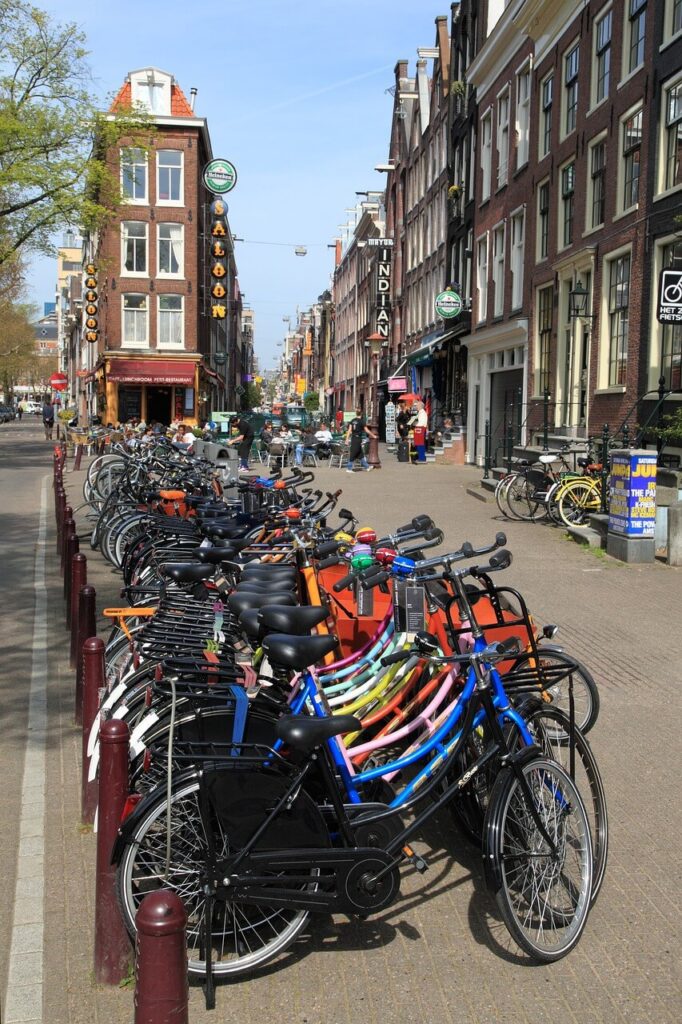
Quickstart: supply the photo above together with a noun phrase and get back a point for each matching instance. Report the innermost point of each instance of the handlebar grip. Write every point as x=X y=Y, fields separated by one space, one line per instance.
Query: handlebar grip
x=329 y=561
x=344 y=582
x=467 y=549
x=395 y=658
x=502 y=559
x=328 y=547
x=374 y=581
x=422 y=522
x=500 y=539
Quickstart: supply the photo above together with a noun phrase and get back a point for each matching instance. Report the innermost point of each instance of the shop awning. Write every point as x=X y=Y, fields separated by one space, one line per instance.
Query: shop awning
x=212 y=375
x=423 y=355
x=151 y=371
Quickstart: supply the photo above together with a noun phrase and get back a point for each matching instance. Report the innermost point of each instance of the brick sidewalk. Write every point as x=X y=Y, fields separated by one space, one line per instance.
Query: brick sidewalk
x=441 y=954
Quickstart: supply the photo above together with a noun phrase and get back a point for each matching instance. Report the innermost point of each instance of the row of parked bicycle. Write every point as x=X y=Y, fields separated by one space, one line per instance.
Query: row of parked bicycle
x=304 y=696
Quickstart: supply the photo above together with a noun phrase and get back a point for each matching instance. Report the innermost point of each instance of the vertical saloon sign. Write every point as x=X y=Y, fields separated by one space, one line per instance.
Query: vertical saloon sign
x=383 y=284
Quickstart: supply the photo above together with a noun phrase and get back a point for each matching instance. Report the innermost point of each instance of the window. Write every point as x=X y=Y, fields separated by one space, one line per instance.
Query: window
x=502 y=139
x=632 y=141
x=675 y=19
x=133 y=247
x=544 y=308
x=602 y=43
x=596 y=185
x=634 y=33
x=671 y=339
x=543 y=220
x=567 y=202
x=486 y=154
x=522 y=116
x=546 y=119
x=171 y=245
x=498 y=270
x=169 y=173
x=673 y=136
x=134 y=175
x=171 y=322
x=619 y=300
x=135 y=320
x=517 y=239
x=482 y=278
x=571 y=60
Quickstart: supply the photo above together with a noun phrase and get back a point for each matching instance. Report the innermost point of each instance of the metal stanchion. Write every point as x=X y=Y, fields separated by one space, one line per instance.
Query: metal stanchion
x=79 y=577
x=87 y=627
x=161 y=984
x=93 y=682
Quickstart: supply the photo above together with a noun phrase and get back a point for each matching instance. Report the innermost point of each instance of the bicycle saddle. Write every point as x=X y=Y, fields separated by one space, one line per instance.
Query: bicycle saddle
x=297 y=652
x=303 y=733
x=186 y=572
x=266 y=571
x=296 y=621
x=241 y=601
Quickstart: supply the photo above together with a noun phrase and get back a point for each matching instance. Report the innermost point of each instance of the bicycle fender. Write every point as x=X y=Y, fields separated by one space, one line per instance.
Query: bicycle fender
x=128 y=826
x=492 y=826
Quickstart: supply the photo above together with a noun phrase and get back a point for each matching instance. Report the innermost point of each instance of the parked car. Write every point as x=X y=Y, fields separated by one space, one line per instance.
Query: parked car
x=33 y=407
x=4 y=414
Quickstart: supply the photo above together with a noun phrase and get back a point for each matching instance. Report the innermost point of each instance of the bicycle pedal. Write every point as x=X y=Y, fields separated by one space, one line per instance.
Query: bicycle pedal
x=415 y=859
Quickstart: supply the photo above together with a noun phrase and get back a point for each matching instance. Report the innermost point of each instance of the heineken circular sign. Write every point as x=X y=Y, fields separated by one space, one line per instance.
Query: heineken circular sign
x=448 y=304
x=220 y=176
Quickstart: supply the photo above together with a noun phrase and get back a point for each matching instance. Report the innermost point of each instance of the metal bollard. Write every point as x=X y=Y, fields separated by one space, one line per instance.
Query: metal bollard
x=79 y=577
x=77 y=458
x=161 y=982
x=72 y=549
x=87 y=627
x=93 y=680
x=112 y=945
x=60 y=505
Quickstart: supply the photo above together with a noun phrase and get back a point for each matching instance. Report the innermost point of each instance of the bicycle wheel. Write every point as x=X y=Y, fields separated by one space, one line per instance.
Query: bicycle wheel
x=551 y=730
x=500 y=495
x=525 y=499
x=543 y=889
x=242 y=937
x=578 y=500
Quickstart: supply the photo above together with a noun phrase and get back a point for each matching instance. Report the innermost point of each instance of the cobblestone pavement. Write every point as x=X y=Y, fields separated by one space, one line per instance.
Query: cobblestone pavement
x=440 y=954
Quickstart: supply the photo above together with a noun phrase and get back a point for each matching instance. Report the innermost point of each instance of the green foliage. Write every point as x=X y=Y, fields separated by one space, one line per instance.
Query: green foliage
x=311 y=401
x=251 y=398
x=53 y=140
x=671 y=431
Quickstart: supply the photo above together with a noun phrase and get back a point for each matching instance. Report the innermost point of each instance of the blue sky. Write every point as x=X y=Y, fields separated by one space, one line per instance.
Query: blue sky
x=294 y=94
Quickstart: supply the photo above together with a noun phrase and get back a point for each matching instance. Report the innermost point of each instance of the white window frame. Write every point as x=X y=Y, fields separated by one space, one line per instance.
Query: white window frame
x=124 y=239
x=166 y=345
x=673 y=9
x=137 y=342
x=486 y=154
x=523 y=115
x=170 y=202
x=539 y=255
x=629 y=22
x=482 y=278
x=166 y=275
x=499 y=253
x=610 y=264
x=502 y=136
x=517 y=245
x=546 y=115
x=622 y=156
x=131 y=200
x=598 y=140
x=663 y=141
x=565 y=85
x=596 y=100
x=542 y=371
x=562 y=198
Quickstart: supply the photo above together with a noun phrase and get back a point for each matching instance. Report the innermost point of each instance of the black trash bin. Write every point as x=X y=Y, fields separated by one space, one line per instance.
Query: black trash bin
x=403 y=451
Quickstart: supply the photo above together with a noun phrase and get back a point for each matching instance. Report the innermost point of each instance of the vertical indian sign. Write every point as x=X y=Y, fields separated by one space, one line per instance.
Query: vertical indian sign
x=383 y=284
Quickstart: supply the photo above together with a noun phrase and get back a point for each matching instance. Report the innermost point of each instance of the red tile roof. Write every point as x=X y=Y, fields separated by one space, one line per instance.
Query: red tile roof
x=179 y=104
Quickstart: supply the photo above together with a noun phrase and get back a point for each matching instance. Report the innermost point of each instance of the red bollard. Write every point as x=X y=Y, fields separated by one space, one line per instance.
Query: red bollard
x=71 y=550
x=77 y=458
x=112 y=945
x=68 y=529
x=93 y=681
x=161 y=982
x=60 y=505
x=79 y=577
x=87 y=627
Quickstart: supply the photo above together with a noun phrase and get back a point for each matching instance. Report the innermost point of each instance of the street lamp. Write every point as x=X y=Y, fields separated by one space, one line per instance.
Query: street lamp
x=375 y=342
x=577 y=302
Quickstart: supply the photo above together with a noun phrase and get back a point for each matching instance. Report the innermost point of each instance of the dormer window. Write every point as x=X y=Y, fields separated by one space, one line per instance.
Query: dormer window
x=151 y=89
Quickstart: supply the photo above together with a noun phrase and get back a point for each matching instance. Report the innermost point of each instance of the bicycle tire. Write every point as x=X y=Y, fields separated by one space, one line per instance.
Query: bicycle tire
x=500 y=490
x=578 y=500
x=523 y=499
x=544 y=897
x=551 y=730
x=235 y=928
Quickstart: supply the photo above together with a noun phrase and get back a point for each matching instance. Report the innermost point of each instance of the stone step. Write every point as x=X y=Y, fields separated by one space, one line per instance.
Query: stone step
x=585 y=535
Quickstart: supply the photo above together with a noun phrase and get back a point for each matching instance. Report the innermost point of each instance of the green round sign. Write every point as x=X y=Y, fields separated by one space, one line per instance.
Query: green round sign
x=220 y=176
x=448 y=304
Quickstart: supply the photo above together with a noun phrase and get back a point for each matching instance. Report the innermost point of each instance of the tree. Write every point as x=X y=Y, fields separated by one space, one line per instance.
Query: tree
x=311 y=401
x=53 y=140
x=251 y=398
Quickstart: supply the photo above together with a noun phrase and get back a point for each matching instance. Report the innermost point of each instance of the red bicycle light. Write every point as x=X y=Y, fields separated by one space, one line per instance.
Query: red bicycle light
x=366 y=536
x=293 y=513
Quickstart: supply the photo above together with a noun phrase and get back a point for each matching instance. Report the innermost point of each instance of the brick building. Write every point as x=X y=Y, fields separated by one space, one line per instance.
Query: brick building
x=160 y=353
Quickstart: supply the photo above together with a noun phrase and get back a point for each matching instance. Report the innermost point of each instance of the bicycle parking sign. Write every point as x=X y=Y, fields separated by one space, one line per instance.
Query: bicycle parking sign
x=670 y=297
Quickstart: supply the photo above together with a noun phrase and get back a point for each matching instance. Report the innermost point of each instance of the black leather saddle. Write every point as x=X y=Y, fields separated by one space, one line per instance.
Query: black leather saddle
x=298 y=652
x=186 y=572
x=303 y=733
x=241 y=600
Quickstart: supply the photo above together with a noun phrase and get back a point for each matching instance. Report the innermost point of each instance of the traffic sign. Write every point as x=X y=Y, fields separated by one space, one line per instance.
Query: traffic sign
x=220 y=176
x=448 y=304
x=670 y=297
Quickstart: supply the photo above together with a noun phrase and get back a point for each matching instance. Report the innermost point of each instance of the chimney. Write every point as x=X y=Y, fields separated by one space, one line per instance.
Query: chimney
x=192 y=96
x=338 y=253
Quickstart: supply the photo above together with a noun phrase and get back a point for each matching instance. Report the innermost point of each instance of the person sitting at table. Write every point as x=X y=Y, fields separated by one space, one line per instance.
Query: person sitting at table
x=323 y=433
x=306 y=446
x=284 y=433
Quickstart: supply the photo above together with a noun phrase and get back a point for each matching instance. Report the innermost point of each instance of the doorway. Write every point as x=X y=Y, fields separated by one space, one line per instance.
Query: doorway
x=159 y=405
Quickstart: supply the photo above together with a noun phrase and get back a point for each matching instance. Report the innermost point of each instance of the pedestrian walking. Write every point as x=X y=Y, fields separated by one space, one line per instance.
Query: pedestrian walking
x=354 y=435
x=244 y=440
x=20 y=411
x=48 y=419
